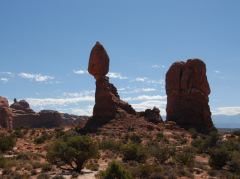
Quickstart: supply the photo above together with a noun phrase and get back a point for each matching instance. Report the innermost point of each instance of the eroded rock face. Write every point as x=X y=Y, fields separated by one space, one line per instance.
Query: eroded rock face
x=5 y=114
x=107 y=100
x=187 y=91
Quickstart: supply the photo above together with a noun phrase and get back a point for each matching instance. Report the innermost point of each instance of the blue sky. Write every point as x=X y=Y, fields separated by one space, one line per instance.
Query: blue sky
x=45 y=46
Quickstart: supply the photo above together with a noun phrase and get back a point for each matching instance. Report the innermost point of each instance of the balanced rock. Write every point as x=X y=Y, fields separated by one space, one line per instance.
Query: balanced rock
x=98 y=65
x=187 y=91
x=5 y=114
x=107 y=100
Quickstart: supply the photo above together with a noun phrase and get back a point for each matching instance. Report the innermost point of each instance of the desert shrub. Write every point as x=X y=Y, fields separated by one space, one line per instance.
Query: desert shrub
x=42 y=138
x=59 y=132
x=19 y=133
x=58 y=177
x=135 y=138
x=46 y=167
x=234 y=163
x=147 y=171
x=237 y=132
x=92 y=166
x=203 y=145
x=185 y=156
x=23 y=156
x=2 y=162
x=115 y=171
x=43 y=176
x=193 y=132
x=74 y=151
x=231 y=144
x=133 y=151
x=182 y=141
x=7 y=143
x=160 y=152
x=218 y=157
x=8 y=174
x=111 y=144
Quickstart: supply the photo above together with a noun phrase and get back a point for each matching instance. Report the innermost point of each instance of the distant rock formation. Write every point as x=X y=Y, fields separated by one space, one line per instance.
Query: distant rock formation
x=152 y=115
x=5 y=114
x=107 y=100
x=24 y=116
x=21 y=106
x=187 y=91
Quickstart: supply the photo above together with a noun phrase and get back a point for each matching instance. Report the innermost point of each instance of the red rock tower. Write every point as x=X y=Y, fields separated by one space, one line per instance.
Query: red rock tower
x=187 y=91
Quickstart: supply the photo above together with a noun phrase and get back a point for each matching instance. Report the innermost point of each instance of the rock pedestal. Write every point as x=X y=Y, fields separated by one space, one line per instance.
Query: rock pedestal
x=107 y=100
x=187 y=91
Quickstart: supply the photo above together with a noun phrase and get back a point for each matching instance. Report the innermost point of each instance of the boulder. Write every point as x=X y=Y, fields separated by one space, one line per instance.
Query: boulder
x=187 y=91
x=98 y=65
x=153 y=115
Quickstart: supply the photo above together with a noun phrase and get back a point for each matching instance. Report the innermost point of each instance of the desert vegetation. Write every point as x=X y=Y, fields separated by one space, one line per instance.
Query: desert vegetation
x=163 y=154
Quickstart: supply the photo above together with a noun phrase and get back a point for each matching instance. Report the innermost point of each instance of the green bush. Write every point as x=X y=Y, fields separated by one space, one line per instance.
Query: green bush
x=237 y=132
x=234 y=163
x=2 y=162
x=74 y=151
x=218 y=157
x=193 y=132
x=133 y=151
x=115 y=171
x=160 y=153
x=7 y=143
x=42 y=138
x=185 y=156
x=43 y=176
x=18 y=133
x=111 y=144
x=203 y=145
x=152 y=171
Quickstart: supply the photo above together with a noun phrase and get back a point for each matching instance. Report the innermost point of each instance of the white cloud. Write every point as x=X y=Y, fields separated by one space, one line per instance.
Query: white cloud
x=148 y=89
x=4 y=80
x=144 y=102
x=142 y=106
x=217 y=71
x=129 y=90
x=147 y=80
x=229 y=111
x=78 y=94
x=7 y=73
x=146 y=98
x=82 y=112
x=116 y=75
x=141 y=79
x=79 y=72
x=158 y=66
x=38 y=102
x=36 y=77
